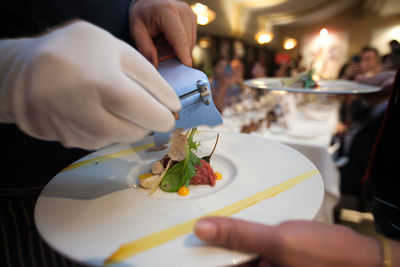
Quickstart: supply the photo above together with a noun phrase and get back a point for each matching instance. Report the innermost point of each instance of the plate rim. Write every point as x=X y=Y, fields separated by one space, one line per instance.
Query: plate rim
x=244 y=259
x=372 y=89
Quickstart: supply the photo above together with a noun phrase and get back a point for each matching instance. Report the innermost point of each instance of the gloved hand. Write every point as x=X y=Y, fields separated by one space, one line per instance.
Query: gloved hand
x=83 y=87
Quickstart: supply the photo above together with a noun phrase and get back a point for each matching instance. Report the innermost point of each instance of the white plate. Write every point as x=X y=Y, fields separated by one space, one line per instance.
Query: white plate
x=301 y=133
x=325 y=86
x=87 y=211
x=277 y=129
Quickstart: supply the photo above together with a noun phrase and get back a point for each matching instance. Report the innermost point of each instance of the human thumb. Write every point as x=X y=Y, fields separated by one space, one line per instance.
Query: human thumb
x=238 y=235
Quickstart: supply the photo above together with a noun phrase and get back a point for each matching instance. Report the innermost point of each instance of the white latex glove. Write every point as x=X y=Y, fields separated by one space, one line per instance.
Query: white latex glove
x=83 y=87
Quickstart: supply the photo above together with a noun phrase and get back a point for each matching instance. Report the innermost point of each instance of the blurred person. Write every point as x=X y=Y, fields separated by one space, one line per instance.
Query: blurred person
x=363 y=65
x=391 y=61
x=366 y=65
x=306 y=243
x=258 y=70
x=225 y=90
x=282 y=70
x=357 y=141
x=369 y=62
x=75 y=87
x=365 y=115
x=295 y=66
x=350 y=69
x=394 y=46
x=238 y=72
x=359 y=124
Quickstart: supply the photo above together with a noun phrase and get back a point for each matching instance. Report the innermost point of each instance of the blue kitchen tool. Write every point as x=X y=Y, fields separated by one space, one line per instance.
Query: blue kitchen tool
x=194 y=91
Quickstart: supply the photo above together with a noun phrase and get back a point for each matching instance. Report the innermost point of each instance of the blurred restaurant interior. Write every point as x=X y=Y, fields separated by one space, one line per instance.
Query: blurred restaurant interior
x=292 y=28
x=82 y=106
x=285 y=38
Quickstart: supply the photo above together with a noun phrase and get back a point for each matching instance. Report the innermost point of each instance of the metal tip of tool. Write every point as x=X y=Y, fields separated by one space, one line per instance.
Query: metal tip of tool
x=201 y=85
x=176 y=115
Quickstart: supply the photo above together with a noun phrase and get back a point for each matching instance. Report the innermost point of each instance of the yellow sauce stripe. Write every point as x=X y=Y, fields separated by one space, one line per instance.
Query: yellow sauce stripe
x=89 y=162
x=130 y=249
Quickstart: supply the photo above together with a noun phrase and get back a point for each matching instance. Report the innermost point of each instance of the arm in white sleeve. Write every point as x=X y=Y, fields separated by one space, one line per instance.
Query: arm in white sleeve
x=81 y=86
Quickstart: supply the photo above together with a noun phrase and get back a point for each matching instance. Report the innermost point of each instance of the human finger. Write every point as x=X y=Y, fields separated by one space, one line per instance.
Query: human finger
x=175 y=33
x=189 y=19
x=238 y=235
x=144 y=42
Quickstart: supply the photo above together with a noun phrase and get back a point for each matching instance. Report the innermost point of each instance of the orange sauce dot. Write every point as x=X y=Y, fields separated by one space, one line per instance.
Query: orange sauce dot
x=219 y=175
x=183 y=191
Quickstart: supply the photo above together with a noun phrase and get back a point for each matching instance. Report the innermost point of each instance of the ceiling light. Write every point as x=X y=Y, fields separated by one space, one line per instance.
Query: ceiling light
x=323 y=32
x=289 y=43
x=263 y=37
x=204 y=14
x=204 y=42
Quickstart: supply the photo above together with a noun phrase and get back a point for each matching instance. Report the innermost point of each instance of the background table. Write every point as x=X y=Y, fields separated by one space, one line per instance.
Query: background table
x=319 y=124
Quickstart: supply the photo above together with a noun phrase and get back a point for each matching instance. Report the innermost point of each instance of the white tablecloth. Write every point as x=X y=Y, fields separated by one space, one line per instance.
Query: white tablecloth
x=315 y=126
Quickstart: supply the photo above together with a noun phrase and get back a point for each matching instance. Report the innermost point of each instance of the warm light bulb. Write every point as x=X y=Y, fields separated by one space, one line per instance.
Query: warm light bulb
x=204 y=14
x=204 y=42
x=199 y=9
x=323 y=32
x=289 y=44
x=263 y=37
x=202 y=20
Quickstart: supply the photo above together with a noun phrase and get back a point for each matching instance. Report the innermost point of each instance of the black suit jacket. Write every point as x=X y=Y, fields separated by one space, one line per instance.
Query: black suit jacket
x=26 y=161
x=359 y=154
x=28 y=17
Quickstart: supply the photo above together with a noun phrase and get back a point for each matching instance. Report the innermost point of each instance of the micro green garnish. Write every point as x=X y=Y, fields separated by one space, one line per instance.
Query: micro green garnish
x=208 y=158
x=182 y=172
x=171 y=181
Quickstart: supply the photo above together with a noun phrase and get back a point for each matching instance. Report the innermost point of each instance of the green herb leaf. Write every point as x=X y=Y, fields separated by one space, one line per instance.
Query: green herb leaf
x=182 y=172
x=172 y=179
x=192 y=144
x=191 y=160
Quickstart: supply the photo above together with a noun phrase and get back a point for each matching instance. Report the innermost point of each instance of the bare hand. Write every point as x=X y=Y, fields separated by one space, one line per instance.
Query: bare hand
x=174 y=19
x=293 y=243
x=352 y=70
x=341 y=128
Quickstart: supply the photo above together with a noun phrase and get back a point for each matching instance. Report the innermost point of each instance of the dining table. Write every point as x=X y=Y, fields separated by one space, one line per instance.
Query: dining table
x=308 y=128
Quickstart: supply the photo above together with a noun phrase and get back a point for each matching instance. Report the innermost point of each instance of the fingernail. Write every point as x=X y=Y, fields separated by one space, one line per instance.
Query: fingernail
x=205 y=230
x=190 y=59
x=155 y=63
x=187 y=62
